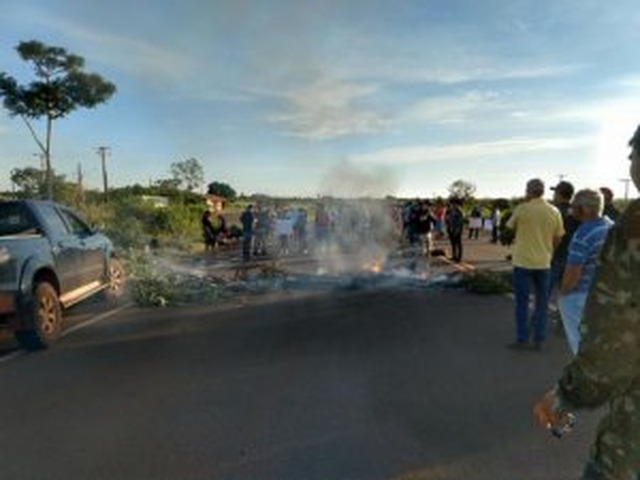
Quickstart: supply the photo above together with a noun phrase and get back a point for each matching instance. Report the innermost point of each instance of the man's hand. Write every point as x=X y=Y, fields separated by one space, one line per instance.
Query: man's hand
x=546 y=410
x=549 y=414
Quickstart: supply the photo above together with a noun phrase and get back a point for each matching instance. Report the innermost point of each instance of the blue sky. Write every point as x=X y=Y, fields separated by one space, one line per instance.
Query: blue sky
x=344 y=97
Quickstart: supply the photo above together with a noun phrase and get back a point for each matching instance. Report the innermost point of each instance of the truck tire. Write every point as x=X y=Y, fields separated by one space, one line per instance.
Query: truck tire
x=117 y=279
x=46 y=320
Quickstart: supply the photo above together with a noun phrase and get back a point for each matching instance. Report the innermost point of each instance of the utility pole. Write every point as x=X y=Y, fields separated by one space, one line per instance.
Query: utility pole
x=626 y=182
x=80 y=188
x=103 y=152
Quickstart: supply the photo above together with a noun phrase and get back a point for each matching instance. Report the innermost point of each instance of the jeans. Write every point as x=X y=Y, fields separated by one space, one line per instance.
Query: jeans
x=523 y=278
x=557 y=271
x=456 y=246
x=571 y=307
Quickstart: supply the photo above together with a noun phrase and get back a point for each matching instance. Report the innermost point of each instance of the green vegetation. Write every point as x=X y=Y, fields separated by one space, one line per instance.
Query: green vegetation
x=487 y=282
x=60 y=87
x=222 y=190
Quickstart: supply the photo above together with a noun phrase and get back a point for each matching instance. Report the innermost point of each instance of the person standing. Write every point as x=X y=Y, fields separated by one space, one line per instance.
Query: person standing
x=538 y=230
x=321 y=228
x=496 y=217
x=583 y=252
x=454 y=218
x=439 y=214
x=609 y=208
x=262 y=230
x=208 y=231
x=300 y=228
x=247 y=220
x=475 y=222
x=562 y=195
x=426 y=223
x=606 y=369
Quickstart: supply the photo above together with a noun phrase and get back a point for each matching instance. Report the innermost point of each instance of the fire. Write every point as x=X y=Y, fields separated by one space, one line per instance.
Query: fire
x=374 y=266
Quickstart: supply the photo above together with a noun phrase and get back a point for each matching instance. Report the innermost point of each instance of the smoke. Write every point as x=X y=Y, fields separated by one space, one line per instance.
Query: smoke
x=364 y=231
x=346 y=180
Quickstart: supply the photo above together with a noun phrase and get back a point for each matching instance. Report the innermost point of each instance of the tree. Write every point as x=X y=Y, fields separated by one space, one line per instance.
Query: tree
x=28 y=181
x=189 y=173
x=61 y=86
x=222 y=190
x=462 y=189
x=165 y=186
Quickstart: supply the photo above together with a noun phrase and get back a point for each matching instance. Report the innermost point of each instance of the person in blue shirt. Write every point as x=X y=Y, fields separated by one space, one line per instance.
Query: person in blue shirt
x=583 y=251
x=606 y=369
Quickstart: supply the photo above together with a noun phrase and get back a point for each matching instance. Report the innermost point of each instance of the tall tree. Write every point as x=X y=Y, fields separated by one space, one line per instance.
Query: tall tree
x=189 y=173
x=222 y=190
x=60 y=87
x=462 y=189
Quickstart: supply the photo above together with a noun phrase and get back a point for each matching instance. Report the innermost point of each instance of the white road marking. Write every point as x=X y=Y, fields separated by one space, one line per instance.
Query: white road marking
x=11 y=356
x=96 y=319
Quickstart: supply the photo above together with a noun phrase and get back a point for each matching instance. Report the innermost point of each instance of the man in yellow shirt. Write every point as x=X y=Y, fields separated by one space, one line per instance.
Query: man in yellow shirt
x=538 y=230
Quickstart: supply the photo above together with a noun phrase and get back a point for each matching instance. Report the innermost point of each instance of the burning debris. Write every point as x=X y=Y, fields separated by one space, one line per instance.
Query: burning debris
x=158 y=280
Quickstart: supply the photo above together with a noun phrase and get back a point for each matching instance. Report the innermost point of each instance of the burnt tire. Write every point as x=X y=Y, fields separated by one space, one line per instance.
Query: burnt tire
x=116 y=279
x=46 y=321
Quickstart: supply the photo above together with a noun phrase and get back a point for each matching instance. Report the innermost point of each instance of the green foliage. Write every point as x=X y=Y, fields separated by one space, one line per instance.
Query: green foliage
x=60 y=87
x=176 y=226
x=487 y=282
x=222 y=190
x=462 y=189
x=28 y=181
x=189 y=173
x=154 y=284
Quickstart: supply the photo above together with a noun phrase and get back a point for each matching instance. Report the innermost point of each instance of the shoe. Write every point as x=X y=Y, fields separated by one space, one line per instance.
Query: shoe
x=518 y=345
x=536 y=347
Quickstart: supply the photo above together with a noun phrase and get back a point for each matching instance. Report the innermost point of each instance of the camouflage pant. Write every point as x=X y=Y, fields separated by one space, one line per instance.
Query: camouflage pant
x=616 y=452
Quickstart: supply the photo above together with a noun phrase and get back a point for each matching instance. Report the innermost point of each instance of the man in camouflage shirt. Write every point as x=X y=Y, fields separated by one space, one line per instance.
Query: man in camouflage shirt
x=606 y=369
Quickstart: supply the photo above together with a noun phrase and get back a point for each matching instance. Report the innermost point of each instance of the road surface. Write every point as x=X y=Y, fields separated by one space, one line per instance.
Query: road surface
x=350 y=385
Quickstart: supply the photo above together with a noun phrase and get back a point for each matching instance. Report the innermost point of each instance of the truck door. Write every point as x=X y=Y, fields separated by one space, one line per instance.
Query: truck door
x=65 y=246
x=93 y=264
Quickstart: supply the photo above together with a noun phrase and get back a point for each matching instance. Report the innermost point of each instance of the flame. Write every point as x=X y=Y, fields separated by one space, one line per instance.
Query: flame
x=374 y=266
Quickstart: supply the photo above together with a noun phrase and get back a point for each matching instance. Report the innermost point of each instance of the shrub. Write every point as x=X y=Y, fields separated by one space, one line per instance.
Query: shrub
x=487 y=282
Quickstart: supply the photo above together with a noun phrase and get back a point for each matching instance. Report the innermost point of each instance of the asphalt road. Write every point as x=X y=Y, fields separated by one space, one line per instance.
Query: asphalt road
x=353 y=385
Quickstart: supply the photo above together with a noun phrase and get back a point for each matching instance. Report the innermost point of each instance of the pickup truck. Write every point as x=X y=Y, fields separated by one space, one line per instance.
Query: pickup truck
x=50 y=259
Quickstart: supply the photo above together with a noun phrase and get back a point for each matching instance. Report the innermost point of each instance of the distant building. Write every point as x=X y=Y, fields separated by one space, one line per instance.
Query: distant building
x=156 y=200
x=214 y=202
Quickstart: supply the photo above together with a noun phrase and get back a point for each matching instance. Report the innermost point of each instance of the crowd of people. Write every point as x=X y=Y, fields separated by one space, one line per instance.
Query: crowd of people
x=346 y=225
x=281 y=231
x=578 y=251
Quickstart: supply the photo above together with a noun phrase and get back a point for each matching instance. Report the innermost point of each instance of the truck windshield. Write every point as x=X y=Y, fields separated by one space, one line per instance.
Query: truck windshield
x=15 y=219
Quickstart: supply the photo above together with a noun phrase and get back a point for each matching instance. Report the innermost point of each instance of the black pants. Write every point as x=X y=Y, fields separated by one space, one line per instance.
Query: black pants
x=246 y=246
x=456 y=246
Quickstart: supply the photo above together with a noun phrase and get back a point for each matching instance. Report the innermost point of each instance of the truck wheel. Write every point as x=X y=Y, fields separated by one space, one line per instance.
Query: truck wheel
x=47 y=319
x=117 y=280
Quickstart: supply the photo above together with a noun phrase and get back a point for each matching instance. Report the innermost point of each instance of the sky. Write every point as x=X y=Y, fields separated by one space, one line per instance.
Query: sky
x=348 y=97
